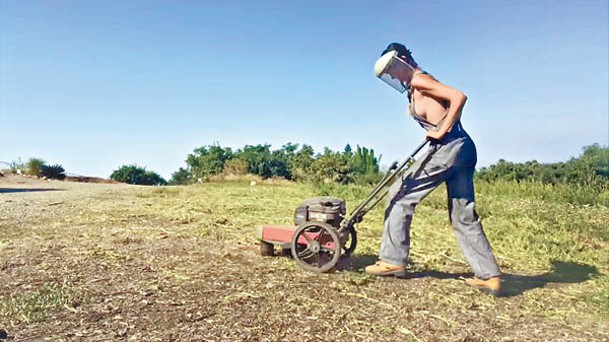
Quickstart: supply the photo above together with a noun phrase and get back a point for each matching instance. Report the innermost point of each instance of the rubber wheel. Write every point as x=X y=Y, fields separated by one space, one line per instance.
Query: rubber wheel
x=316 y=247
x=351 y=243
x=267 y=249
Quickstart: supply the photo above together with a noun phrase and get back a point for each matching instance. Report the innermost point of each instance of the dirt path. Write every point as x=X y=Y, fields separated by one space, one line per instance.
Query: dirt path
x=82 y=262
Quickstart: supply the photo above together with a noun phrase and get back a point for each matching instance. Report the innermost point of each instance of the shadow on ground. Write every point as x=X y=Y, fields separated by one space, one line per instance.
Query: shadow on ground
x=512 y=284
x=562 y=273
x=10 y=190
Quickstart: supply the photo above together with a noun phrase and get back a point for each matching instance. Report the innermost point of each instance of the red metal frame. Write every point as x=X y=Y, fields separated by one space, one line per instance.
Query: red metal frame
x=283 y=235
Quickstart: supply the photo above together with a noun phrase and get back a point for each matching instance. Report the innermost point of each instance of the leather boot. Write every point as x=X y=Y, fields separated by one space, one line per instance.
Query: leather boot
x=491 y=286
x=382 y=268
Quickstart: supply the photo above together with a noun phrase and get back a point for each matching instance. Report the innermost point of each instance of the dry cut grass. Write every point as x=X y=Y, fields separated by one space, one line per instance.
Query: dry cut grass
x=181 y=263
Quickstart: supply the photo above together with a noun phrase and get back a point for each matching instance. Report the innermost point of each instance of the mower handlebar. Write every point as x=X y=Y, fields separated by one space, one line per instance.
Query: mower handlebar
x=357 y=215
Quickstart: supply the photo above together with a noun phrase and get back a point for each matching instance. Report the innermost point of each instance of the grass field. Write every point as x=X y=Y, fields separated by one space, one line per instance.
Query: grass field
x=116 y=262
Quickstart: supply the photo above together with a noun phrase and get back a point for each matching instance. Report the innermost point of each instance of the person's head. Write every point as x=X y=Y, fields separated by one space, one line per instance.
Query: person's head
x=402 y=52
x=396 y=67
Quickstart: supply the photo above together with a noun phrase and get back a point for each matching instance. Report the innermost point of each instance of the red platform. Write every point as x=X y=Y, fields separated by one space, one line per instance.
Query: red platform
x=277 y=234
x=282 y=235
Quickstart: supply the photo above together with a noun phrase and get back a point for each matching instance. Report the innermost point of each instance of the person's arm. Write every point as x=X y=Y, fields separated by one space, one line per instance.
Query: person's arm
x=428 y=86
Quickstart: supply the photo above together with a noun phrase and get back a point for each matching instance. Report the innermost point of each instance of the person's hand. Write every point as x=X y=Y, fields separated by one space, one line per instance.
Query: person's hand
x=435 y=135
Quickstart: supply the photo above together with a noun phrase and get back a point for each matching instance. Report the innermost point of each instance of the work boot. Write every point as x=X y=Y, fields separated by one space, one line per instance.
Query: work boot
x=491 y=286
x=382 y=268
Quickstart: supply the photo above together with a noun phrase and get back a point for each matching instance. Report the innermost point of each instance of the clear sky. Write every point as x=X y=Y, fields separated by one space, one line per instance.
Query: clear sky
x=93 y=85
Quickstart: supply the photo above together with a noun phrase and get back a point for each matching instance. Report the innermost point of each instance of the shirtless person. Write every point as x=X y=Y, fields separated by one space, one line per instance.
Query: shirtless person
x=451 y=158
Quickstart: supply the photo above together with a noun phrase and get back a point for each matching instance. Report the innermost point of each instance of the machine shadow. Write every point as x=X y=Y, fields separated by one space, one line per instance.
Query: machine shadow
x=12 y=190
x=562 y=272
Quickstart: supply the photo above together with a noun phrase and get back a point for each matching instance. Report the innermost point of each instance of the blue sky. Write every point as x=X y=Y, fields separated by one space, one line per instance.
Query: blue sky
x=93 y=85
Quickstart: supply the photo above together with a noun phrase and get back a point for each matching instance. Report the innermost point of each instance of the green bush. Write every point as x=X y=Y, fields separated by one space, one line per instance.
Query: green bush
x=53 y=171
x=235 y=166
x=181 y=177
x=34 y=167
x=134 y=174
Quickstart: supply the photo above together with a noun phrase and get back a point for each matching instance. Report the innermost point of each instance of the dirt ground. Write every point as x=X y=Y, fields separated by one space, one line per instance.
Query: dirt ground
x=79 y=262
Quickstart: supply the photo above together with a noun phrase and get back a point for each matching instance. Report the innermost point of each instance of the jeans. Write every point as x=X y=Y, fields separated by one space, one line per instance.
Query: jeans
x=451 y=160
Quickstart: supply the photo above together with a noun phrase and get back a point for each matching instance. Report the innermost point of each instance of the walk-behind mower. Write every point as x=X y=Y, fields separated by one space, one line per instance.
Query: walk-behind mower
x=322 y=234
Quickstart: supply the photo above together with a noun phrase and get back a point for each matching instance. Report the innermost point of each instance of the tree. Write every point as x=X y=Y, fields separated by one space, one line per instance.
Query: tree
x=208 y=160
x=266 y=163
x=332 y=167
x=301 y=164
x=348 y=150
x=364 y=162
x=257 y=158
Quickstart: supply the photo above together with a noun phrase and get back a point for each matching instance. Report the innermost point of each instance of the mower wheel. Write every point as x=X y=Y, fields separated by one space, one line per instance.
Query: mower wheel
x=351 y=243
x=267 y=249
x=316 y=247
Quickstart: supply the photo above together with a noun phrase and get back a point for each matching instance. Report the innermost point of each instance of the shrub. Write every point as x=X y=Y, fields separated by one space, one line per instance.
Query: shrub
x=17 y=165
x=53 y=172
x=235 y=166
x=181 y=177
x=134 y=174
x=34 y=167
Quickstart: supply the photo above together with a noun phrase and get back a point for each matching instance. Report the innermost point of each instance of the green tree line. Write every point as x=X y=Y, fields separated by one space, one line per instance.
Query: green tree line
x=291 y=161
x=300 y=163
x=590 y=169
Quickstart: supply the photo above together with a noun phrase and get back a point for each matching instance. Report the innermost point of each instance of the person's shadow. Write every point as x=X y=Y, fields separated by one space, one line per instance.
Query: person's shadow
x=563 y=272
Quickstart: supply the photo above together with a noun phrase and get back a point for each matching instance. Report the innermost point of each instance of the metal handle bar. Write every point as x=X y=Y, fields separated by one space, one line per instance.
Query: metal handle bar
x=361 y=210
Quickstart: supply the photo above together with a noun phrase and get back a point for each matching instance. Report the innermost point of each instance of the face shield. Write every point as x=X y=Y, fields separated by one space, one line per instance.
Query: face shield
x=394 y=71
